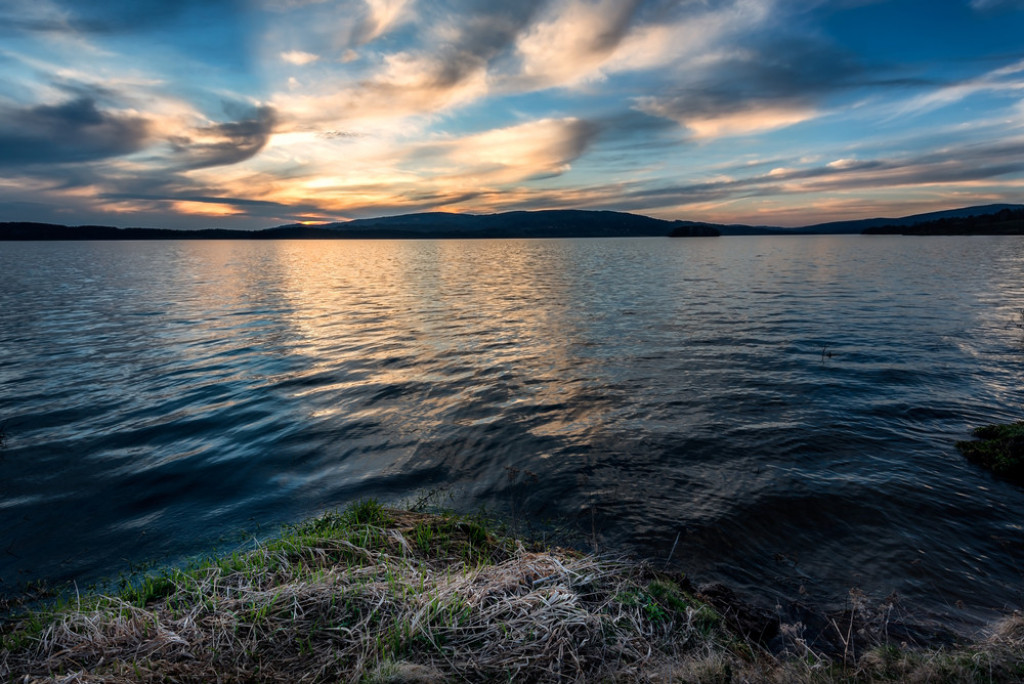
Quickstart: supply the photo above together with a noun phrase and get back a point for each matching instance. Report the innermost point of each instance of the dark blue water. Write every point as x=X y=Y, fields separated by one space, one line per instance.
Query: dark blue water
x=786 y=407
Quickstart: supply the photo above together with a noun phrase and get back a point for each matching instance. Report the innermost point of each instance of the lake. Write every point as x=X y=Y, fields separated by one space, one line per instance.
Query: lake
x=775 y=413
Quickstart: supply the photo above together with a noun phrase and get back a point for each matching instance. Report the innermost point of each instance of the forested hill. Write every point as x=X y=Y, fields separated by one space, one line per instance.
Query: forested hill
x=513 y=224
x=1003 y=222
x=518 y=224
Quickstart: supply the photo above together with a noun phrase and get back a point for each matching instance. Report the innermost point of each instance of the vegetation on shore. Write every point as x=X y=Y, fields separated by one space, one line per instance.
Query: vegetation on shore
x=1006 y=221
x=1000 y=448
x=377 y=595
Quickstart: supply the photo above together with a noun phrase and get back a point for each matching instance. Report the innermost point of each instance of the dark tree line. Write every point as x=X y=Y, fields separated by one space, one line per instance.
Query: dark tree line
x=1003 y=222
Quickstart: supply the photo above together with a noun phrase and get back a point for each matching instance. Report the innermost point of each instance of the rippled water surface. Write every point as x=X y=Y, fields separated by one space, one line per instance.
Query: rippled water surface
x=785 y=408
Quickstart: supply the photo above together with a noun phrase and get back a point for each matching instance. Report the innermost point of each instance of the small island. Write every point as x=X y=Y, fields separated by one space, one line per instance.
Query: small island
x=696 y=230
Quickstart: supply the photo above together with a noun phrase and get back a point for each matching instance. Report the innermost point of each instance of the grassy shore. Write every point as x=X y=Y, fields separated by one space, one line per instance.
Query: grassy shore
x=377 y=595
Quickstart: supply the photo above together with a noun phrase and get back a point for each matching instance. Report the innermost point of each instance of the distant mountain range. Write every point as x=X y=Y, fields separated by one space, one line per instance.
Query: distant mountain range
x=873 y=225
x=1000 y=219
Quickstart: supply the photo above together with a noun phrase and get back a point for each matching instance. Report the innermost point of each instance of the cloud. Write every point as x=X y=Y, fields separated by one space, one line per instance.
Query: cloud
x=463 y=44
x=962 y=165
x=299 y=58
x=446 y=172
x=469 y=50
x=184 y=200
x=578 y=42
x=574 y=38
x=76 y=130
x=984 y=5
x=407 y=84
x=398 y=105
x=535 y=149
x=93 y=32
x=479 y=33
x=731 y=119
x=759 y=87
x=1009 y=78
x=382 y=16
x=224 y=143
x=332 y=30
x=100 y=18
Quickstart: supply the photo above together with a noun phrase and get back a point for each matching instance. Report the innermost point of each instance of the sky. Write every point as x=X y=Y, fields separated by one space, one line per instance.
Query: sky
x=255 y=113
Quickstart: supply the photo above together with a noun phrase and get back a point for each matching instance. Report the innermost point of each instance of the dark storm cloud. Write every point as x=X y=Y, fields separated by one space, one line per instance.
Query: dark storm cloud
x=74 y=131
x=226 y=143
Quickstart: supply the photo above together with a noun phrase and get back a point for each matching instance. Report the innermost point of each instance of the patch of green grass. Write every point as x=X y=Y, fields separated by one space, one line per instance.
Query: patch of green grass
x=663 y=602
x=467 y=538
x=1000 y=448
x=153 y=588
x=337 y=523
x=28 y=631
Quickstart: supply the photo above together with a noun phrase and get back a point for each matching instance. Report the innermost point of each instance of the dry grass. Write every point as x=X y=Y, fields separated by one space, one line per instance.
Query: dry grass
x=381 y=596
x=387 y=600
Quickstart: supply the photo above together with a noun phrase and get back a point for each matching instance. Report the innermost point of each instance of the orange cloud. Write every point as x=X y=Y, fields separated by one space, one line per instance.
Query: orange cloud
x=205 y=208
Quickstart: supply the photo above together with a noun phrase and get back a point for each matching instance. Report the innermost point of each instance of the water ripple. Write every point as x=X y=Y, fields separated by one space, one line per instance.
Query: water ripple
x=786 y=408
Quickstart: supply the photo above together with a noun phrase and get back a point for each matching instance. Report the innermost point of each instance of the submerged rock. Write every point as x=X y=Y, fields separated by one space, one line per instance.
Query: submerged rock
x=1000 y=448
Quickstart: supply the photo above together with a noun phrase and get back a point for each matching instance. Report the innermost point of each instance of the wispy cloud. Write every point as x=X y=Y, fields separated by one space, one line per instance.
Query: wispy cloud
x=1006 y=79
x=383 y=16
x=299 y=58
x=105 y=18
x=330 y=31
x=225 y=143
x=997 y=4
x=946 y=167
x=536 y=149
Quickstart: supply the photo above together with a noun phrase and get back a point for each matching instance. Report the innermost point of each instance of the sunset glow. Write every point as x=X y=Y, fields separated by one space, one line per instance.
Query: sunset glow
x=254 y=113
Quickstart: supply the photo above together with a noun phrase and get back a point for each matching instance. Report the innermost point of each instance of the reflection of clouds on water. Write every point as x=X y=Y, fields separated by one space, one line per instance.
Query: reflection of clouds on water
x=655 y=387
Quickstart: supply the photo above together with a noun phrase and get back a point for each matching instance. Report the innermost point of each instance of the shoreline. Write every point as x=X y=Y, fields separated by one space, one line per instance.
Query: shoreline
x=382 y=595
